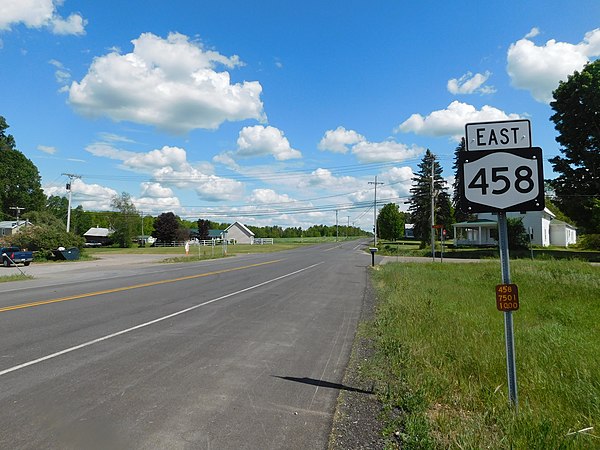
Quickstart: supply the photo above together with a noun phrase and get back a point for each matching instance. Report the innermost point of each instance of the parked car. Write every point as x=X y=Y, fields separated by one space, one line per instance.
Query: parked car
x=14 y=255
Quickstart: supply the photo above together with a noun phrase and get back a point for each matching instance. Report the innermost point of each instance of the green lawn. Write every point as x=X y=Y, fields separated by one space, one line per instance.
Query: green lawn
x=440 y=363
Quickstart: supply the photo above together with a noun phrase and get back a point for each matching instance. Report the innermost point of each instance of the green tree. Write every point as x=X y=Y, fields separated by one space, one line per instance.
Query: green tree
x=166 y=227
x=20 y=181
x=57 y=206
x=125 y=222
x=203 y=227
x=420 y=200
x=390 y=222
x=576 y=118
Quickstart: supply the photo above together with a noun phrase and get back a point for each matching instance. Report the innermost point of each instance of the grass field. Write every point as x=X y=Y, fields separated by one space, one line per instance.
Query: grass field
x=440 y=363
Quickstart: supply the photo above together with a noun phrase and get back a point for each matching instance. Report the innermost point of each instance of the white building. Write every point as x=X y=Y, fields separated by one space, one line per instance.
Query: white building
x=239 y=233
x=542 y=226
x=10 y=227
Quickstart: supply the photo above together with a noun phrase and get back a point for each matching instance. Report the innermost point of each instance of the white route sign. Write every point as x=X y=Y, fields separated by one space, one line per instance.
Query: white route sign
x=501 y=180
x=498 y=135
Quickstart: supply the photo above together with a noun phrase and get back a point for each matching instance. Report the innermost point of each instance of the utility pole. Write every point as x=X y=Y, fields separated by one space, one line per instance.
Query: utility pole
x=71 y=178
x=18 y=209
x=336 y=226
x=375 y=212
x=432 y=206
x=348 y=227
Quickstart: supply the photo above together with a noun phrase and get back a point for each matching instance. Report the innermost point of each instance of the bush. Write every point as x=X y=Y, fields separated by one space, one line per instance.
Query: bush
x=43 y=239
x=590 y=242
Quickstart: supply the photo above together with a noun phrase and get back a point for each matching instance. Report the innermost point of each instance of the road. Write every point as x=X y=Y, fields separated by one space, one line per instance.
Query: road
x=238 y=353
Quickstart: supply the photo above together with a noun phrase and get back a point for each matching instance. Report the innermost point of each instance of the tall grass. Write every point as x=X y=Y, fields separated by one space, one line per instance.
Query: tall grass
x=440 y=364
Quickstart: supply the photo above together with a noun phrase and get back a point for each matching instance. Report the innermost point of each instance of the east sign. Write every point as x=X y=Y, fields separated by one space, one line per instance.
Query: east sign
x=496 y=176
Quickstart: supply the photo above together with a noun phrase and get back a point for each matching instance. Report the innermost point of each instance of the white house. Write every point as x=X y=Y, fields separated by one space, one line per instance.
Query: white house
x=562 y=233
x=10 y=227
x=239 y=233
x=543 y=227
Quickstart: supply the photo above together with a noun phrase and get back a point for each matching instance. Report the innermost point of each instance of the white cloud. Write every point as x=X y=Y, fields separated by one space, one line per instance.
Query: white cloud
x=532 y=33
x=451 y=121
x=106 y=150
x=338 y=140
x=400 y=178
x=260 y=141
x=169 y=166
x=539 y=69
x=92 y=197
x=167 y=83
x=324 y=178
x=342 y=140
x=38 y=14
x=74 y=24
x=470 y=84
x=268 y=197
x=47 y=149
x=155 y=190
x=386 y=151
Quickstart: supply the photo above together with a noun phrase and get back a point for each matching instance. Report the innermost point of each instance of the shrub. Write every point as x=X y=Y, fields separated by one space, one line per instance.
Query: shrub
x=590 y=242
x=43 y=239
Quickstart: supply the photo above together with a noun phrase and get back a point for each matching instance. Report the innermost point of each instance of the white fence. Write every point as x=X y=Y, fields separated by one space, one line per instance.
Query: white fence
x=210 y=242
x=263 y=241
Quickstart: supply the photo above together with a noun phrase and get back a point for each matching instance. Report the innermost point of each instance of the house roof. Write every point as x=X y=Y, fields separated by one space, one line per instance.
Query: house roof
x=476 y=223
x=12 y=224
x=215 y=233
x=243 y=227
x=98 y=231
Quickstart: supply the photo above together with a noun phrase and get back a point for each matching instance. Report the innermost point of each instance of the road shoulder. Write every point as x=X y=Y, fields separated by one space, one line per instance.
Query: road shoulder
x=356 y=423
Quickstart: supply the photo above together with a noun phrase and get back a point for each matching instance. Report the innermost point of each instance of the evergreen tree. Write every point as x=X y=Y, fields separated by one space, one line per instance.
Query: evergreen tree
x=577 y=188
x=457 y=187
x=420 y=200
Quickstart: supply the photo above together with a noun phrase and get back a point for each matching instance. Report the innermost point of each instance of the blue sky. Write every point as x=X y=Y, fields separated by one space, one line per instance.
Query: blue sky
x=273 y=112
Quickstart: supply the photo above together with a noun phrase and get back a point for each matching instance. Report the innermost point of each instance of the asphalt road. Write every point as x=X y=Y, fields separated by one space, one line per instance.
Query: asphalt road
x=239 y=353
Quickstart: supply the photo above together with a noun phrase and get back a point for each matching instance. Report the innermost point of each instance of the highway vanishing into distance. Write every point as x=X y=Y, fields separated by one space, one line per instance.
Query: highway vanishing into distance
x=244 y=352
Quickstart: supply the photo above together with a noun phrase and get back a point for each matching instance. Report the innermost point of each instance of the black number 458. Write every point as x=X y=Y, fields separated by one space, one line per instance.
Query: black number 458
x=523 y=180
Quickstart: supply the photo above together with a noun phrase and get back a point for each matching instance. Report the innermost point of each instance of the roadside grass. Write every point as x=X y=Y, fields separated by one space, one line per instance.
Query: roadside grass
x=14 y=277
x=440 y=362
x=411 y=248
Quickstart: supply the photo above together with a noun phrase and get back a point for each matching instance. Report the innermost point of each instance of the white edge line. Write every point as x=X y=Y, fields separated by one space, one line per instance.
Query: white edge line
x=146 y=324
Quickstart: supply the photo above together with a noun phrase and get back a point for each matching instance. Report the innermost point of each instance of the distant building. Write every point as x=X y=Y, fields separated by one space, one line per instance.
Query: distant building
x=239 y=233
x=10 y=227
x=98 y=235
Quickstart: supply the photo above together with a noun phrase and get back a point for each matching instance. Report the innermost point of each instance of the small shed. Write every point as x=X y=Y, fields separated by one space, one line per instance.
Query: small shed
x=10 y=227
x=98 y=235
x=239 y=233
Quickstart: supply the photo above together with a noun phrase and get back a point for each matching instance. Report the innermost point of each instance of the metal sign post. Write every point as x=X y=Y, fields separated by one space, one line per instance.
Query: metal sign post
x=500 y=172
x=511 y=369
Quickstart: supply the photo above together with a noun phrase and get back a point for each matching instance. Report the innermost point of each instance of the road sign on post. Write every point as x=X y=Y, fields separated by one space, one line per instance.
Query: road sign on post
x=502 y=180
x=500 y=171
x=503 y=135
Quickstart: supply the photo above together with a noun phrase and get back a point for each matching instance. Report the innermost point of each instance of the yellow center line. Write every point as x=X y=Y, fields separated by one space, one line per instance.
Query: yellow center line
x=135 y=286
